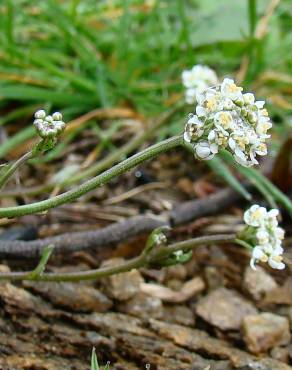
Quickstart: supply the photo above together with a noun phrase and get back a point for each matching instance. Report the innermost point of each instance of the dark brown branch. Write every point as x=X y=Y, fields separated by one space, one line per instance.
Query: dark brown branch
x=120 y=231
x=214 y=203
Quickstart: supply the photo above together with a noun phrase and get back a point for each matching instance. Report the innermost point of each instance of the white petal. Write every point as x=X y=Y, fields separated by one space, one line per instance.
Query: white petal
x=252 y=263
x=187 y=137
x=273 y=213
x=201 y=112
x=276 y=264
x=260 y=104
x=257 y=253
x=203 y=150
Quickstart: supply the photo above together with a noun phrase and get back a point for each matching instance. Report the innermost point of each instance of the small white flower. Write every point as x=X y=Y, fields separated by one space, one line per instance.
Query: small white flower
x=230 y=90
x=262 y=227
x=194 y=129
x=223 y=120
x=255 y=215
x=40 y=114
x=48 y=126
x=249 y=98
x=233 y=121
x=197 y=79
x=57 y=116
x=262 y=236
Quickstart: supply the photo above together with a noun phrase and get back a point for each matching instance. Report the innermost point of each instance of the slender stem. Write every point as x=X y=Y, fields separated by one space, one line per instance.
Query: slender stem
x=13 y=167
x=38 y=271
x=100 y=180
x=243 y=244
x=103 y=164
x=143 y=260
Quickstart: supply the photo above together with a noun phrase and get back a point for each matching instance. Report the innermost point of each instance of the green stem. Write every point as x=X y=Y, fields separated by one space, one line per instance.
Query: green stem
x=100 y=180
x=243 y=244
x=143 y=260
x=39 y=270
x=105 y=163
x=13 y=167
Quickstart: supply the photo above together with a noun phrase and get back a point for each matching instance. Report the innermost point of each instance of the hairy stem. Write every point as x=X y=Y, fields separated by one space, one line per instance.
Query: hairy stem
x=104 y=163
x=13 y=167
x=158 y=254
x=100 y=180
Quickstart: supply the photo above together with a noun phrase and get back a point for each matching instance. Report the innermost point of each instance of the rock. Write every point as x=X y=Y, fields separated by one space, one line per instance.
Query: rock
x=280 y=354
x=187 y=291
x=213 y=278
x=280 y=295
x=174 y=284
x=18 y=301
x=196 y=341
x=178 y=272
x=121 y=286
x=178 y=314
x=76 y=297
x=258 y=282
x=224 y=309
x=264 y=331
x=142 y=305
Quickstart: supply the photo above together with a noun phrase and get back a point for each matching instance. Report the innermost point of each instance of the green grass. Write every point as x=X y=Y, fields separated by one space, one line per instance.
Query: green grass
x=90 y=54
x=94 y=362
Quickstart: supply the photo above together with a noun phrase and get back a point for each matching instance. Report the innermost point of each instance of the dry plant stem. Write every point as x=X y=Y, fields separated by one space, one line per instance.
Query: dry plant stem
x=103 y=164
x=71 y=195
x=144 y=260
x=121 y=231
x=14 y=167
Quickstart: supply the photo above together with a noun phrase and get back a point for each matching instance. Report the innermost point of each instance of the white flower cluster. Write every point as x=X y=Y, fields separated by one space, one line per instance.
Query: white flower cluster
x=267 y=234
x=228 y=119
x=48 y=126
x=197 y=79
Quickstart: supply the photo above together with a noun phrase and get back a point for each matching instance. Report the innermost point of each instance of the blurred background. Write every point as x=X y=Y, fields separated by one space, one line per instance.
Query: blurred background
x=79 y=55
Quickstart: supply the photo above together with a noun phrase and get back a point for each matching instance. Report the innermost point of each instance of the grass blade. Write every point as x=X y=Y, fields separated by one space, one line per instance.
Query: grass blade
x=264 y=185
x=222 y=170
x=94 y=363
x=16 y=140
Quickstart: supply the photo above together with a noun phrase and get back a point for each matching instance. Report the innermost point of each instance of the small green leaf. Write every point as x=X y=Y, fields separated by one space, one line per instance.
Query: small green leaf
x=157 y=237
x=176 y=258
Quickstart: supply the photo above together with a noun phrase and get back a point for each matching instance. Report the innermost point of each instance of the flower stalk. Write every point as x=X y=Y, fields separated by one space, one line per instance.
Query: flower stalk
x=153 y=256
x=100 y=180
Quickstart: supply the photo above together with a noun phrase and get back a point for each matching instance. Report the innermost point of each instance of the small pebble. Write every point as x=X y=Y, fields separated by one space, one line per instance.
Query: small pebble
x=264 y=331
x=121 y=286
